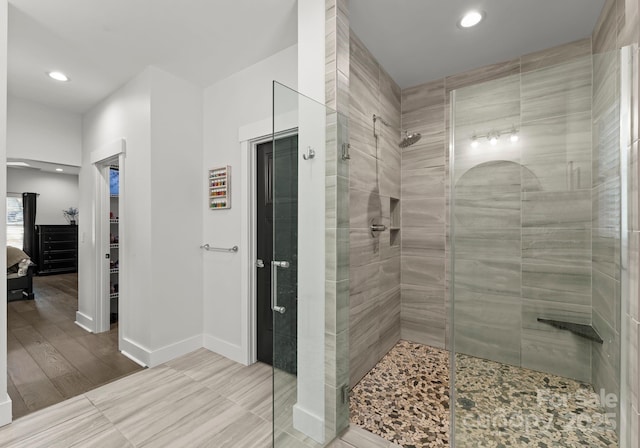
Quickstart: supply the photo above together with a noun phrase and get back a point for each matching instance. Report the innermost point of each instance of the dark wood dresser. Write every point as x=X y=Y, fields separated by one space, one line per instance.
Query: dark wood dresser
x=57 y=249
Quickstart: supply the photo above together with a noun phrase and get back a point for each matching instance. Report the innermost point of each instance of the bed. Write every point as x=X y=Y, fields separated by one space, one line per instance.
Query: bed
x=19 y=275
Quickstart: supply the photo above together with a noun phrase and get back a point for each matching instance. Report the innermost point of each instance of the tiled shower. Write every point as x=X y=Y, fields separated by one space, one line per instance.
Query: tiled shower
x=536 y=217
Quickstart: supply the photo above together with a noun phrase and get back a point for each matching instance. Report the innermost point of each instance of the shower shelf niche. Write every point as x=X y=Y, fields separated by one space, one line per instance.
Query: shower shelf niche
x=394 y=226
x=582 y=330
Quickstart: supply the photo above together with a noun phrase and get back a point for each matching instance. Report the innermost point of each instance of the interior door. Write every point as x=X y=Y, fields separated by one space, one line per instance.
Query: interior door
x=264 y=214
x=284 y=272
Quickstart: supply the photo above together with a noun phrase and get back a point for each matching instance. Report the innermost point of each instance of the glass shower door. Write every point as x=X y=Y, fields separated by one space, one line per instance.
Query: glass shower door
x=307 y=376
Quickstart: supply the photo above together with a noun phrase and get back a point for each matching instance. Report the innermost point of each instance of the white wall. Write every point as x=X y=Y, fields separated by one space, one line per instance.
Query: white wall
x=240 y=100
x=160 y=118
x=125 y=114
x=57 y=192
x=39 y=132
x=5 y=401
x=176 y=207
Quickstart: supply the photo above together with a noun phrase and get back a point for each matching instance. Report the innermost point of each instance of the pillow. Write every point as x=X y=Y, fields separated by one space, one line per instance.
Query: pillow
x=15 y=256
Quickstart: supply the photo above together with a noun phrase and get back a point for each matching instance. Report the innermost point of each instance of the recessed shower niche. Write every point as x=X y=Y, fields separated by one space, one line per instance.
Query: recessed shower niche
x=394 y=219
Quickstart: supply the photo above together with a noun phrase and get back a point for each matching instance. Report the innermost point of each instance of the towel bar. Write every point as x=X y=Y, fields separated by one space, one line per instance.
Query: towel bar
x=219 y=249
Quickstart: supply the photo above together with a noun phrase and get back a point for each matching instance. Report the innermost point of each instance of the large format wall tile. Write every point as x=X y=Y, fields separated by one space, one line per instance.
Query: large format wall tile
x=488 y=326
x=424 y=212
x=494 y=105
x=606 y=144
x=556 y=55
x=423 y=96
x=418 y=241
x=482 y=75
x=363 y=336
x=605 y=361
x=423 y=315
x=428 y=152
x=422 y=271
x=390 y=99
x=605 y=247
x=556 y=153
x=606 y=207
x=606 y=89
x=556 y=91
x=361 y=138
x=605 y=31
x=605 y=300
x=549 y=245
x=557 y=209
x=477 y=243
x=423 y=183
x=488 y=276
x=362 y=172
x=500 y=210
x=489 y=196
x=633 y=345
x=363 y=82
x=557 y=282
x=375 y=176
x=363 y=207
x=558 y=352
x=389 y=320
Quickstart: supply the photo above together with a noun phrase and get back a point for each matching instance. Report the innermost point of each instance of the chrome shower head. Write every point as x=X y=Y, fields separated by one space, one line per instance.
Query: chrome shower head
x=409 y=139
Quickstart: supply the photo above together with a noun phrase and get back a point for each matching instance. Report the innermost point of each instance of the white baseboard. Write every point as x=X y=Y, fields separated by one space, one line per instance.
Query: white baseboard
x=5 y=411
x=175 y=350
x=151 y=358
x=308 y=423
x=85 y=322
x=135 y=352
x=224 y=348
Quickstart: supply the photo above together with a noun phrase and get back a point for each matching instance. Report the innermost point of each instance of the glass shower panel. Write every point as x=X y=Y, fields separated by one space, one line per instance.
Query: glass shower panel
x=535 y=250
x=305 y=353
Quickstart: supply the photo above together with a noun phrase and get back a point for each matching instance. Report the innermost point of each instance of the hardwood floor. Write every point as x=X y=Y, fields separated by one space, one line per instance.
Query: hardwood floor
x=199 y=400
x=50 y=358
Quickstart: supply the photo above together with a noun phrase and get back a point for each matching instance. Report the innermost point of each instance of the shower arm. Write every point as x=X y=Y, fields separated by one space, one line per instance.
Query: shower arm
x=408 y=140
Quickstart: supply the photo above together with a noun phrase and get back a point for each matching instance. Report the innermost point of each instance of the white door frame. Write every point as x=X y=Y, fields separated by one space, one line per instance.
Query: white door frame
x=100 y=161
x=250 y=137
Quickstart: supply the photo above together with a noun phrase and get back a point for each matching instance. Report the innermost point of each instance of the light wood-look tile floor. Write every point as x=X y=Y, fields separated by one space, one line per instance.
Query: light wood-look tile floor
x=50 y=358
x=199 y=400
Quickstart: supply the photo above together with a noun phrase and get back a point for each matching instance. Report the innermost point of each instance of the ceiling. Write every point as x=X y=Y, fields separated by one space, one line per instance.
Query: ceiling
x=418 y=40
x=101 y=44
x=38 y=165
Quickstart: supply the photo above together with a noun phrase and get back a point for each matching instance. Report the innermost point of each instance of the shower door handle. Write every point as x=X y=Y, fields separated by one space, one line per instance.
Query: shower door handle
x=274 y=285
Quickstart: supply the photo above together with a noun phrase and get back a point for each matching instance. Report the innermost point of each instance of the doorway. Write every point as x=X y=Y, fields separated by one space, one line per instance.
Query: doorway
x=287 y=149
x=109 y=274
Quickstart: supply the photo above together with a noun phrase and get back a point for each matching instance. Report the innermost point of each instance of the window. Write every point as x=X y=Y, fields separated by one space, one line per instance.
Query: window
x=15 y=224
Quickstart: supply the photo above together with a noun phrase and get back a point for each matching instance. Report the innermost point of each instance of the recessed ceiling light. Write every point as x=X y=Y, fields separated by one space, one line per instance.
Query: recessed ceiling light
x=58 y=76
x=59 y=169
x=471 y=18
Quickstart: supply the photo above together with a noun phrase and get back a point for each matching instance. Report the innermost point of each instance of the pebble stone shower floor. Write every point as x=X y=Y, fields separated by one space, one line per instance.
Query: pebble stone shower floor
x=405 y=399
